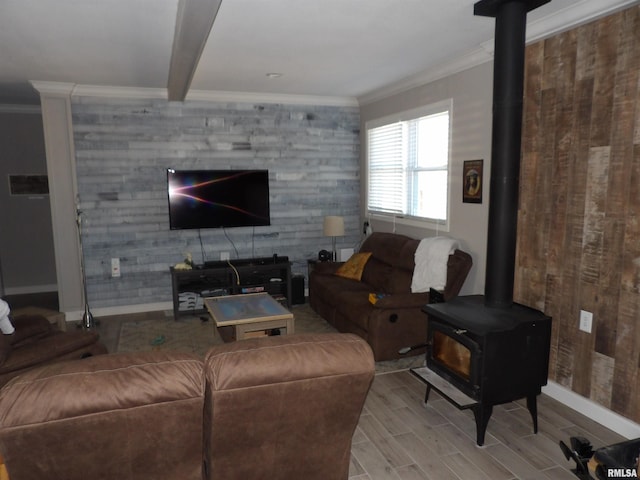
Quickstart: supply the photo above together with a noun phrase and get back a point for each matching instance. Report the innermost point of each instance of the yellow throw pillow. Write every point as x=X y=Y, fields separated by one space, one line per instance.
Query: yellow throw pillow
x=353 y=267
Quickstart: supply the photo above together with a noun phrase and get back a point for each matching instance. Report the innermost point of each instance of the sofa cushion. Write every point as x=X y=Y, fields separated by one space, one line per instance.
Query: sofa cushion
x=400 y=281
x=383 y=278
x=119 y=416
x=284 y=407
x=393 y=249
x=330 y=286
x=353 y=267
x=355 y=306
x=105 y=382
x=376 y=274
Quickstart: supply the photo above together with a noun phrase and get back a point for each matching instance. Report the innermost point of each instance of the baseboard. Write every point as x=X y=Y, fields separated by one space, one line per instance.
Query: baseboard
x=593 y=410
x=120 y=310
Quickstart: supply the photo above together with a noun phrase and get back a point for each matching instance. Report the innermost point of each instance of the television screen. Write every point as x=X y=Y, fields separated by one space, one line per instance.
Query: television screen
x=218 y=198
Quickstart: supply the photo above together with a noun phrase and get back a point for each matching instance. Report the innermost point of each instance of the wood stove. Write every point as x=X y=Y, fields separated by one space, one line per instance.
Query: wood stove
x=487 y=350
x=490 y=355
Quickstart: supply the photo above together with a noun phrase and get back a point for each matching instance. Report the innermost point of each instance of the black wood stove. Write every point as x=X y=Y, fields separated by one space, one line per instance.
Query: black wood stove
x=486 y=350
x=478 y=356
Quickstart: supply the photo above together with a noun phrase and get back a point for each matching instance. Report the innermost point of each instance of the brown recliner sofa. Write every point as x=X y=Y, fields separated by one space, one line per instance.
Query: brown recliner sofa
x=37 y=342
x=281 y=407
x=396 y=320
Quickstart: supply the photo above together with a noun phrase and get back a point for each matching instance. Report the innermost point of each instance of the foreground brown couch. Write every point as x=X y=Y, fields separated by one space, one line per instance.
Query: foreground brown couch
x=281 y=407
x=396 y=320
x=37 y=342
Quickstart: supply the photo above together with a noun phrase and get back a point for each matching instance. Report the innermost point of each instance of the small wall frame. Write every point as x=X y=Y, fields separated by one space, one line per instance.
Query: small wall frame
x=28 y=185
x=472 y=180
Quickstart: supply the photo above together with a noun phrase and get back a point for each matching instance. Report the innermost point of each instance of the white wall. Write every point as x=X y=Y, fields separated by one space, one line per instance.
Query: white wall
x=471 y=91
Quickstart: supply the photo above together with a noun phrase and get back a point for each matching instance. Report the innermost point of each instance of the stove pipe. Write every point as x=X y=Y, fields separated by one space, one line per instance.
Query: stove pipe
x=508 y=79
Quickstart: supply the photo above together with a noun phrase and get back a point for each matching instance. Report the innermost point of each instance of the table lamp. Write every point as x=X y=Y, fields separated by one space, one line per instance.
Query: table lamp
x=333 y=227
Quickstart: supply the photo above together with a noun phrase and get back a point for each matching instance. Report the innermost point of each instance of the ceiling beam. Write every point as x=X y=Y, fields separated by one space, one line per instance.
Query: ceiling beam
x=193 y=24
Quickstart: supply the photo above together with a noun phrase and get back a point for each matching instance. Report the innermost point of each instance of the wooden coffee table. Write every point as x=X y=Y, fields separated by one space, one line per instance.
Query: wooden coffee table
x=250 y=315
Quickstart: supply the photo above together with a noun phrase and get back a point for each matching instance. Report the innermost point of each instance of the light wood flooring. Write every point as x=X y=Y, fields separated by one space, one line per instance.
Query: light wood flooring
x=398 y=437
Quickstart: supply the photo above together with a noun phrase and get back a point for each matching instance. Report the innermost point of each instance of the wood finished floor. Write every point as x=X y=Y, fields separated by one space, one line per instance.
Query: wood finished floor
x=398 y=437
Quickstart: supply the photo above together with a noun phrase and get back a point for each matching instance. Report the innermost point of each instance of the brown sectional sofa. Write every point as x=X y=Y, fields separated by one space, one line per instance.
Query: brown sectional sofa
x=37 y=342
x=396 y=320
x=279 y=407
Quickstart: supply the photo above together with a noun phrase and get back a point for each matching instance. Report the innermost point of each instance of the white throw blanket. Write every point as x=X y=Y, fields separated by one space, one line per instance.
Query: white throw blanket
x=431 y=259
x=5 y=324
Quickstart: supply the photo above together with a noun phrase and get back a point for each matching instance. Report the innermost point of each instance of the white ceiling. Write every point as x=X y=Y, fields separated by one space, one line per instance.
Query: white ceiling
x=356 y=49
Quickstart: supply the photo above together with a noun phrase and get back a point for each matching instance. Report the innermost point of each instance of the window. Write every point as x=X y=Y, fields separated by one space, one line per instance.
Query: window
x=408 y=164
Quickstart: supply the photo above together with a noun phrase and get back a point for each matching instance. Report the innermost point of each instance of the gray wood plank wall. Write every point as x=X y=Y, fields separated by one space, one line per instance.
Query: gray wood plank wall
x=124 y=146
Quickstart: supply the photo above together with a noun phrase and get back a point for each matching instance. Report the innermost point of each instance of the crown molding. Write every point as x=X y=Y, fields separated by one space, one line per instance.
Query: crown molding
x=53 y=88
x=570 y=17
x=289 y=99
x=193 y=95
x=107 y=91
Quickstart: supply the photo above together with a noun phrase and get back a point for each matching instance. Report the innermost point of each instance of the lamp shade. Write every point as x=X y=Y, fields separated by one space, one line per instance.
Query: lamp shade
x=333 y=226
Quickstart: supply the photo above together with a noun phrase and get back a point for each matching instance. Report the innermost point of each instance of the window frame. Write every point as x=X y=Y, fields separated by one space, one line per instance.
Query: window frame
x=403 y=116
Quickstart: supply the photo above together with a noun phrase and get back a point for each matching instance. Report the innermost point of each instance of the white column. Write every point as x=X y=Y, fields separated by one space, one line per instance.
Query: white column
x=55 y=99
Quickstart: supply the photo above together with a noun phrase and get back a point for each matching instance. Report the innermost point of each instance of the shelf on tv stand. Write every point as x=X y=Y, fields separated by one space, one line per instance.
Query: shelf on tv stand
x=230 y=278
x=243 y=262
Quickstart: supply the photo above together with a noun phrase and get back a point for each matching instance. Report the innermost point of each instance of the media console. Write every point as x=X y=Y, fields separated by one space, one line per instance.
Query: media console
x=215 y=278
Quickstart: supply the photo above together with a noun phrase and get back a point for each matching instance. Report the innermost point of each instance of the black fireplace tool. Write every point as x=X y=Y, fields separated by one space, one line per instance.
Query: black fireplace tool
x=611 y=461
x=580 y=452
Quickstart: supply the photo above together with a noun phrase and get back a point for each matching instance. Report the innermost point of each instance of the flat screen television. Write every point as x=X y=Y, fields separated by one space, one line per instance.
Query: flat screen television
x=218 y=198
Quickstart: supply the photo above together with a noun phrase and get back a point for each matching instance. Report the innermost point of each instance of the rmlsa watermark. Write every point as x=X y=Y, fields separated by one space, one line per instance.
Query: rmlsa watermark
x=622 y=473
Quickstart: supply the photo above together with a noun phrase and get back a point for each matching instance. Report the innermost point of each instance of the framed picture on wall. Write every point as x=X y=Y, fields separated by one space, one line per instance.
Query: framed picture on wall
x=28 y=185
x=472 y=181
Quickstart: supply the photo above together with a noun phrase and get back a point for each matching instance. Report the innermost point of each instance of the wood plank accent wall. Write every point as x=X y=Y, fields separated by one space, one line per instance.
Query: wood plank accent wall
x=124 y=146
x=579 y=212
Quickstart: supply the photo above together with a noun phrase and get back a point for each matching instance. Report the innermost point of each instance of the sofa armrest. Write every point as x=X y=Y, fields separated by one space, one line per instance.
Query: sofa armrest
x=403 y=300
x=30 y=328
x=47 y=349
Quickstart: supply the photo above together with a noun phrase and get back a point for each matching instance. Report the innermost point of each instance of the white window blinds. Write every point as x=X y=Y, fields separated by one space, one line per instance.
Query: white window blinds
x=386 y=168
x=408 y=166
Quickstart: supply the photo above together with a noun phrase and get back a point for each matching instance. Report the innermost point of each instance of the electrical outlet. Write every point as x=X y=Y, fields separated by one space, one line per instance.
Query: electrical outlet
x=224 y=255
x=586 y=320
x=115 y=267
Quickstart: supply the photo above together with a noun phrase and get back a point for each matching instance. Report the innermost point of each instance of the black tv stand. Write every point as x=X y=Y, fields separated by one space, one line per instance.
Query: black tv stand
x=230 y=277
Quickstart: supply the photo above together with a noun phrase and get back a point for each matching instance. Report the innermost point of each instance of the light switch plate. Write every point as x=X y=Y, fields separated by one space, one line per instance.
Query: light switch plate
x=586 y=321
x=115 y=267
